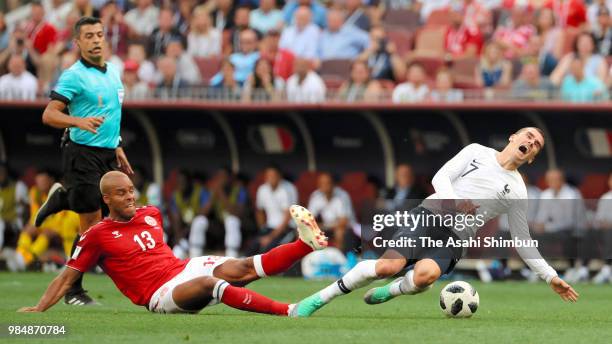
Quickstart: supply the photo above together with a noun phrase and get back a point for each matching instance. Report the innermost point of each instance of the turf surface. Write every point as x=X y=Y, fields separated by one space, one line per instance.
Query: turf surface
x=511 y=312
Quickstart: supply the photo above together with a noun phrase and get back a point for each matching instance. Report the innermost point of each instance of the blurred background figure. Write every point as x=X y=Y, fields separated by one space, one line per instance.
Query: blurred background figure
x=305 y=86
x=274 y=197
x=360 y=86
x=444 y=91
x=405 y=193
x=415 y=88
x=330 y=211
x=18 y=84
x=603 y=223
x=561 y=212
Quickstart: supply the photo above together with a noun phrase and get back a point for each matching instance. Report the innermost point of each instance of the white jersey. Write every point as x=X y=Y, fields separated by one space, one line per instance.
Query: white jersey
x=474 y=174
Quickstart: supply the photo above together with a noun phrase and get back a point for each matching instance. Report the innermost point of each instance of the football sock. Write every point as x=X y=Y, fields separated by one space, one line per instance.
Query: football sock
x=280 y=258
x=248 y=300
x=406 y=286
x=361 y=275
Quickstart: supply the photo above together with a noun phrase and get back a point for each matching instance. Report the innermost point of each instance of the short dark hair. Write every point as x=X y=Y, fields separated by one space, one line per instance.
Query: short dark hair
x=536 y=128
x=85 y=21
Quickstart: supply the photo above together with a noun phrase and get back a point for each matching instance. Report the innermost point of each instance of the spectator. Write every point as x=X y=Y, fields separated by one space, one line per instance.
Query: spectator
x=134 y=88
x=226 y=203
x=514 y=38
x=444 y=91
x=603 y=32
x=20 y=45
x=116 y=30
x=493 y=70
x=57 y=12
x=561 y=213
x=356 y=16
x=415 y=88
x=360 y=87
x=241 y=23
x=146 y=69
x=110 y=56
x=382 y=57
x=186 y=66
x=243 y=61
x=14 y=199
x=262 y=84
x=223 y=14
x=532 y=86
x=302 y=37
x=273 y=200
x=405 y=194
x=549 y=41
x=171 y=85
x=184 y=15
x=568 y=13
x=4 y=33
x=603 y=222
x=593 y=10
x=18 y=84
x=282 y=59
x=203 y=40
x=37 y=243
x=585 y=49
x=579 y=87
x=305 y=86
x=266 y=17
x=477 y=15
x=319 y=13
x=41 y=33
x=461 y=40
x=329 y=210
x=163 y=34
x=225 y=86
x=341 y=41
x=142 y=19
x=188 y=205
x=146 y=192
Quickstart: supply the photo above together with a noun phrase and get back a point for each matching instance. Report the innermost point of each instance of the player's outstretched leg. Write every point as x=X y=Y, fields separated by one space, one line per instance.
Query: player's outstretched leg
x=56 y=202
x=418 y=280
x=195 y=294
x=278 y=259
x=361 y=275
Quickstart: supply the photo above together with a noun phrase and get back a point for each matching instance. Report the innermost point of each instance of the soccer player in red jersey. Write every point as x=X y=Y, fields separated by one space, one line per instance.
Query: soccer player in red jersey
x=129 y=247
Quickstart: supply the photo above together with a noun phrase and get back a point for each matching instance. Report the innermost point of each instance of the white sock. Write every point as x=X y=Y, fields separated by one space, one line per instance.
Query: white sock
x=406 y=286
x=361 y=275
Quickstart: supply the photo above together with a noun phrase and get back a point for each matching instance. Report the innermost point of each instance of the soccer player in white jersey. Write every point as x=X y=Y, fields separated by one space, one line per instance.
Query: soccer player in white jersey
x=482 y=181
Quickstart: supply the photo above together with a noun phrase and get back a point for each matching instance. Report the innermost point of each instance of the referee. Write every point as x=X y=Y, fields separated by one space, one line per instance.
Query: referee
x=92 y=92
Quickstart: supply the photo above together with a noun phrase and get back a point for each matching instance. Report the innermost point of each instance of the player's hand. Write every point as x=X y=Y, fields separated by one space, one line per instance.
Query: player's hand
x=467 y=207
x=90 y=124
x=29 y=310
x=564 y=290
x=122 y=161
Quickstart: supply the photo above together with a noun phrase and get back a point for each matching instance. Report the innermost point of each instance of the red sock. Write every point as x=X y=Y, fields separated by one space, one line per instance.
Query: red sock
x=280 y=258
x=248 y=300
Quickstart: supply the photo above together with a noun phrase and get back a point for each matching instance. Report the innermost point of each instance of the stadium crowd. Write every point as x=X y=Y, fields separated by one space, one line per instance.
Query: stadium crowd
x=225 y=211
x=310 y=51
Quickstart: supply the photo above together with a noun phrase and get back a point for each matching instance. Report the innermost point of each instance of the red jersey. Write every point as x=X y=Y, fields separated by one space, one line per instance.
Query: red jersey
x=458 y=40
x=569 y=12
x=133 y=254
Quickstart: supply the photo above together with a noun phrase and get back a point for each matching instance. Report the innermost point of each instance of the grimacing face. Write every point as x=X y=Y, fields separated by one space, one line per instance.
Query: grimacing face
x=120 y=197
x=526 y=144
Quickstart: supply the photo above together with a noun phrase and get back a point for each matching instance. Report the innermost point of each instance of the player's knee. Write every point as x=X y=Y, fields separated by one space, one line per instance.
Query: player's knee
x=389 y=267
x=425 y=277
x=205 y=284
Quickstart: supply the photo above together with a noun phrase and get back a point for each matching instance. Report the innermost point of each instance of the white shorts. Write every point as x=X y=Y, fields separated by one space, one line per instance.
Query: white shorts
x=162 y=302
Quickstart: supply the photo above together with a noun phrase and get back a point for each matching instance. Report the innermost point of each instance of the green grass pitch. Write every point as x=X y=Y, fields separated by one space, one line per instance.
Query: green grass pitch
x=512 y=312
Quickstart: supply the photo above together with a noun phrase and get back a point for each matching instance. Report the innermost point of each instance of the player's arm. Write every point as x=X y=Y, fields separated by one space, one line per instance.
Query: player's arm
x=443 y=180
x=55 y=291
x=54 y=116
x=517 y=219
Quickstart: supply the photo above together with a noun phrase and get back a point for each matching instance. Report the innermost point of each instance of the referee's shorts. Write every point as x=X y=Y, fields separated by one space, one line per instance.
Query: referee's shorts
x=83 y=168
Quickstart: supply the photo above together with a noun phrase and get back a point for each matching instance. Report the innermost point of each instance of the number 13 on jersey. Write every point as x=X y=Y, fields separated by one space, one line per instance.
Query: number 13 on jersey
x=148 y=243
